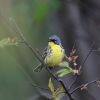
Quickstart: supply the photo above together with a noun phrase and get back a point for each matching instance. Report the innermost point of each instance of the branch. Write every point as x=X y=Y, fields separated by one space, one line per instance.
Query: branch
x=74 y=81
x=25 y=42
x=80 y=69
x=84 y=86
x=61 y=82
x=37 y=86
x=66 y=91
x=73 y=46
x=41 y=60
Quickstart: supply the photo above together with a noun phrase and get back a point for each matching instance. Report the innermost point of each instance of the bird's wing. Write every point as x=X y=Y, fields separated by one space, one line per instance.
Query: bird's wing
x=46 y=51
x=40 y=66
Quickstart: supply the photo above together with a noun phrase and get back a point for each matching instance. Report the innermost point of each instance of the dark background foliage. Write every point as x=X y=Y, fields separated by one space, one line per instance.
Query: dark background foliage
x=72 y=20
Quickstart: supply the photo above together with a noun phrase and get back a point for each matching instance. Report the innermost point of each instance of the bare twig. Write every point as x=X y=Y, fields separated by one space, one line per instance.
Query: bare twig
x=25 y=42
x=49 y=71
x=74 y=45
x=84 y=86
x=37 y=86
x=74 y=81
x=95 y=50
x=81 y=67
x=76 y=76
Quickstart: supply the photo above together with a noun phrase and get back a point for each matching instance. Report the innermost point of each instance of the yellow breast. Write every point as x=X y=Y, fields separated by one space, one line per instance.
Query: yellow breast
x=56 y=55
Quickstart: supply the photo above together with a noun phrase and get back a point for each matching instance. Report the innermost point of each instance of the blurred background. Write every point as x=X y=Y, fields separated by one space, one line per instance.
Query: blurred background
x=72 y=20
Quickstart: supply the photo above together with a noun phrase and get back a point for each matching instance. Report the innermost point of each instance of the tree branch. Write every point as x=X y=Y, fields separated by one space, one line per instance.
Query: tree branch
x=84 y=86
x=25 y=42
x=81 y=67
x=61 y=82
x=74 y=81
x=41 y=60
x=37 y=86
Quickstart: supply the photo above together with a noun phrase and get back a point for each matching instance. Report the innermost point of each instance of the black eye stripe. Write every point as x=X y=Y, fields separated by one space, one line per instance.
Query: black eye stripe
x=52 y=40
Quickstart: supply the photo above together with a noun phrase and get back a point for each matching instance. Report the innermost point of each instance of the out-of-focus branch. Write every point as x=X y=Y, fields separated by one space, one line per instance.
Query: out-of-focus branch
x=24 y=40
x=35 y=51
x=71 y=54
x=81 y=67
x=73 y=82
x=84 y=86
x=37 y=86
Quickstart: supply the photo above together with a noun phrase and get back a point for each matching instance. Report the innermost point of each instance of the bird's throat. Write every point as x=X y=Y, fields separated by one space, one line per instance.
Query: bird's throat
x=51 y=44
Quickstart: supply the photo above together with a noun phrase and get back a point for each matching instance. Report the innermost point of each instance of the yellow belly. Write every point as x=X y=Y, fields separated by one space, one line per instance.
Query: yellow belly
x=55 y=57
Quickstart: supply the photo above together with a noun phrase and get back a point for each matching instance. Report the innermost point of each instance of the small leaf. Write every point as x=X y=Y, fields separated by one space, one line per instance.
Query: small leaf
x=59 y=90
x=51 y=86
x=64 y=64
x=55 y=92
x=57 y=98
x=64 y=72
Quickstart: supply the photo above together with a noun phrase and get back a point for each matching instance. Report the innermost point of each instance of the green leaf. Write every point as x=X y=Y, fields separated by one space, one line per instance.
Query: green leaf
x=60 y=90
x=64 y=64
x=57 y=98
x=55 y=92
x=64 y=72
x=51 y=86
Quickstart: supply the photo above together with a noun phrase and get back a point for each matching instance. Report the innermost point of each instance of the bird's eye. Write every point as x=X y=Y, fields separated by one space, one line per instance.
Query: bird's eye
x=55 y=41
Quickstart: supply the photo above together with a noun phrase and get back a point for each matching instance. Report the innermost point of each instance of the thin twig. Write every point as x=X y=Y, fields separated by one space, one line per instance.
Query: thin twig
x=74 y=45
x=33 y=51
x=37 y=50
x=24 y=40
x=67 y=92
x=74 y=81
x=80 y=69
x=76 y=76
x=37 y=86
x=49 y=71
x=31 y=79
x=84 y=85
x=95 y=50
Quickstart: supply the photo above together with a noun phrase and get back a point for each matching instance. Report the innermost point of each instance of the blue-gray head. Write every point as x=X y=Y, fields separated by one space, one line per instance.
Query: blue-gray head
x=55 y=39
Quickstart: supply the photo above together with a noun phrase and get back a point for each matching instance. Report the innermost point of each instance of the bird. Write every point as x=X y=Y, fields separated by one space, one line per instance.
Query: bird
x=53 y=54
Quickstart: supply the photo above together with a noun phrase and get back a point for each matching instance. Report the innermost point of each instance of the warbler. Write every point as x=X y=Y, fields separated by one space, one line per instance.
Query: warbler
x=53 y=53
